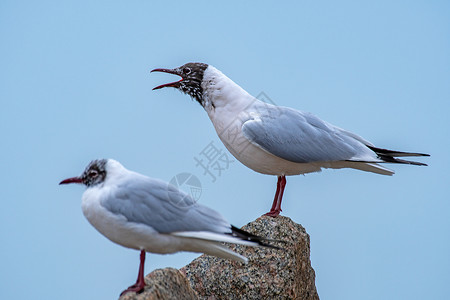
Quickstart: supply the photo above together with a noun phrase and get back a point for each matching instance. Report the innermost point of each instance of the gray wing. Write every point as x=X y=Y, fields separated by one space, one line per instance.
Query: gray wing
x=302 y=137
x=163 y=207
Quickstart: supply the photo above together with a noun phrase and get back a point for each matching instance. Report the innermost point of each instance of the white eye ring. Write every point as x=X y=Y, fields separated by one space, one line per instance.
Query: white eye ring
x=186 y=70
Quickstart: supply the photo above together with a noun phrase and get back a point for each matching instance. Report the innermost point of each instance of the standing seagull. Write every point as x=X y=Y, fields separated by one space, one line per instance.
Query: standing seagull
x=150 y=215
x=277 y=140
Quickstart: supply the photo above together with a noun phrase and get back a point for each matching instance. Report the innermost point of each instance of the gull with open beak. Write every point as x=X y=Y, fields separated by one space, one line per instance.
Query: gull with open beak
x=277 y=140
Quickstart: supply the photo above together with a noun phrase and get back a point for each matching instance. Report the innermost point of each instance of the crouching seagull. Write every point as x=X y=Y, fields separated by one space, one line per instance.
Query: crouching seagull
x=277 y=140
x=150 y=215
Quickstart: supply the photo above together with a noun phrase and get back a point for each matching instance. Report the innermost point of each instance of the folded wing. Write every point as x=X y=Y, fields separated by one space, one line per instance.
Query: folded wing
x=163 y=207
x=304 y=138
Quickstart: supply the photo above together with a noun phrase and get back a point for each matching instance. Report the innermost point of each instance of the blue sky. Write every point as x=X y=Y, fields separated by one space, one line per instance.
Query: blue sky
x=75 y=86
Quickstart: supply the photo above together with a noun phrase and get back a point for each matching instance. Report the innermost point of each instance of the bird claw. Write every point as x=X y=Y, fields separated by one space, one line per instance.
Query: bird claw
x=137 y=288
x=273 y=213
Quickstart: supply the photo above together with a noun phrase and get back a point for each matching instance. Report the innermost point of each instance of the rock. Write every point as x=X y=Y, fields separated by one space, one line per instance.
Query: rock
x=270 y=274
x=165 y=283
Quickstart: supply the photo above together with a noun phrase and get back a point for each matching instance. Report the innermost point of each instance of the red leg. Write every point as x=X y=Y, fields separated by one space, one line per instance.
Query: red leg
x=140 y=282
x=280 y=195
x=275 y=199
x=276 y=205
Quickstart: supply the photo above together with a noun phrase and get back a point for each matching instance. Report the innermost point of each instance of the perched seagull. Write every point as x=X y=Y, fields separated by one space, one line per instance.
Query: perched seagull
x=277 y=140
x=150 y=215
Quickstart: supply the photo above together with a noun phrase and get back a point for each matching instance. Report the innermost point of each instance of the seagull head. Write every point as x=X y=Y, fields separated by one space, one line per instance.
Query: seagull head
x=95 y=173
x=191 y=79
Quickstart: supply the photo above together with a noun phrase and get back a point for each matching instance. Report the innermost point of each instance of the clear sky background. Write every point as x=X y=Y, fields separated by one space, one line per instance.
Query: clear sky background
x=75 y=86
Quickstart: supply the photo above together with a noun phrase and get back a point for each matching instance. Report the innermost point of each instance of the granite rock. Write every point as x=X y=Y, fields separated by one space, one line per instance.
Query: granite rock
x=270 y=274
x=165 y=283
x=284 y=273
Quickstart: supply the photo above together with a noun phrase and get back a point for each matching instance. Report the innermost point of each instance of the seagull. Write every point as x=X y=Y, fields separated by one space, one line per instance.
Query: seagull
x=277 y=140
x=150 y=215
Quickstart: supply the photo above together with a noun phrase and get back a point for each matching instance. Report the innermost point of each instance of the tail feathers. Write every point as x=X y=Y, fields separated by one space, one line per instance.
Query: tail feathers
x=236 y=236
x=389 y=156
x=210 y=242
x=368 y=166
x=222 y=251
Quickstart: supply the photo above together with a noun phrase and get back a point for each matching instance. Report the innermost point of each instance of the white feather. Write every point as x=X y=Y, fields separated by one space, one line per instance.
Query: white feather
x=215 y=237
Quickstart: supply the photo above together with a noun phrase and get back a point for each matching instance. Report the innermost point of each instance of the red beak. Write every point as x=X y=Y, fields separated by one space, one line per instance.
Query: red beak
x=72 y=180
x=171 y=84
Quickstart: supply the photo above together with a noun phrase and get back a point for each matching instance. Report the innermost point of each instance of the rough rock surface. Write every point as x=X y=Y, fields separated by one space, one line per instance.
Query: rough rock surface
x=270 y=274
x=165 y=283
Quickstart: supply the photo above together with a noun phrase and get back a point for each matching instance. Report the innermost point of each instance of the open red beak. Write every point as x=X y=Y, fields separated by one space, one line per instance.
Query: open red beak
x=72 y=180
x=171 y=84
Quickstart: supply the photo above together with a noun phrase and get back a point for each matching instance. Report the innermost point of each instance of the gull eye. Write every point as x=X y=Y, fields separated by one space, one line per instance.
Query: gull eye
x=93 y=173
x=186 y=70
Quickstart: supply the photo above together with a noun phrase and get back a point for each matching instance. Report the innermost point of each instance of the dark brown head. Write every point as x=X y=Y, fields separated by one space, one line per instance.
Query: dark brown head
x=95 y=173
x=191 y=79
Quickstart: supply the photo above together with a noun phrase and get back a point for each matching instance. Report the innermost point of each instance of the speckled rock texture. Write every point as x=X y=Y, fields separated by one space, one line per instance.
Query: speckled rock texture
x=270 y=273
x=165 y=283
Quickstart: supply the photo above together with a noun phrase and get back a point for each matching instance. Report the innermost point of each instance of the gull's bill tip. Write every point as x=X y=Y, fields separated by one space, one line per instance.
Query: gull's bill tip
x=72 y=180
x=170 y=71
x=171 y=84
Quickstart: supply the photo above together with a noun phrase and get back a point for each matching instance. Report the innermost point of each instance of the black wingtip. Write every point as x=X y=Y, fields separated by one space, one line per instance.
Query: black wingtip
x=390 y=159
x=244 y=235
x=394 y=153
x=391 y=156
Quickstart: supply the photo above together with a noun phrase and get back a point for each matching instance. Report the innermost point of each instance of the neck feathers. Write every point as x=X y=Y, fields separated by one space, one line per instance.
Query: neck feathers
x=220 y=91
